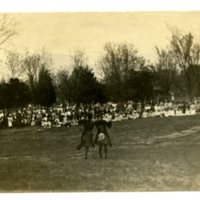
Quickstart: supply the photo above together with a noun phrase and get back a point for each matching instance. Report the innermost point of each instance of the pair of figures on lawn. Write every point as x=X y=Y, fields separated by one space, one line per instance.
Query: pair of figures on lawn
x=102 y=138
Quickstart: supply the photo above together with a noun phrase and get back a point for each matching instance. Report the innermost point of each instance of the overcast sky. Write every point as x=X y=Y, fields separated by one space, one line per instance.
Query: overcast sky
x=62 y=33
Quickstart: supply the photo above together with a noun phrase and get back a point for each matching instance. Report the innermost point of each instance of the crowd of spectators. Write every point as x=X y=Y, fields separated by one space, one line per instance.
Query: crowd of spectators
x=60 y=115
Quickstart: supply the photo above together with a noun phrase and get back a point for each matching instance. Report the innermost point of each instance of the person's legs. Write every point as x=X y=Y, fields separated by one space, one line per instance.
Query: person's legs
x=95 y=139
x=100 y=151
x=109 y=141
x=86 y=152
x=91 y=141
x=105 y=150
x=81 y=143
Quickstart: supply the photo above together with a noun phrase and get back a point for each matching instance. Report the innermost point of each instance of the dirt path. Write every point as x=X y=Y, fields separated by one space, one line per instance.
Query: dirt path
x=171 y=136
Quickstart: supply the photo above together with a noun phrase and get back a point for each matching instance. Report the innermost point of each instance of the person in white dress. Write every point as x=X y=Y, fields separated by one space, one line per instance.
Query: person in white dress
x=10 y=121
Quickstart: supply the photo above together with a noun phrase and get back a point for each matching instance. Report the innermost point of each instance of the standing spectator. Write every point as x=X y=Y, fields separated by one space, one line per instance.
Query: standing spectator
x=10 y=120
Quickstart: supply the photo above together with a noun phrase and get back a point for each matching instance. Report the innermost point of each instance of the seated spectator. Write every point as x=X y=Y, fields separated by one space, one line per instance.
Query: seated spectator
x=44 y=122
x=33 y=120
x=57 y=122
x=49 y=123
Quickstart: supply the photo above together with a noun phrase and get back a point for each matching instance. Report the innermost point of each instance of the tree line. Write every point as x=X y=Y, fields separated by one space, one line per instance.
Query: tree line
x=125 y=75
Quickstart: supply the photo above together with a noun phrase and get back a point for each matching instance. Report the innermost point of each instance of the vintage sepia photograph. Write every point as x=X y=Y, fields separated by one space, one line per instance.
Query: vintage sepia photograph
x=100 y=101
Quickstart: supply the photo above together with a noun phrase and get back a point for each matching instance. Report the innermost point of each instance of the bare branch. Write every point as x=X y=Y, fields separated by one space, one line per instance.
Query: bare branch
x=79 y=58
x=8 y=28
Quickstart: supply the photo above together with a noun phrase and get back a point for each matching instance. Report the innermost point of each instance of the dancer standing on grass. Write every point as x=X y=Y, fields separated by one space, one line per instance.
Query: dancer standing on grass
x=87 y=134
x=102 y=137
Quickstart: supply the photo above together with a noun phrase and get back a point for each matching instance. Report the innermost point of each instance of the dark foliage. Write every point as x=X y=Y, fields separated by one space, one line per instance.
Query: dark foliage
x=45 y=90
x=14 y=94
x=140 y=86
x=84 y=86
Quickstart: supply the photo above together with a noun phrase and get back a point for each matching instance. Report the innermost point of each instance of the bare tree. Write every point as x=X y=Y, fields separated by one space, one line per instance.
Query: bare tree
x=167 y=72
x=14 y=63
x=8 y=28
x=31 y=65
x=187 y=53
x=116 y=64
x=46 y=59
x=79 y=58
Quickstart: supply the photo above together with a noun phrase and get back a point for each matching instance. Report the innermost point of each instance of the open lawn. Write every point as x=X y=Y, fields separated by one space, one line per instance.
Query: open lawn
x=153 y=154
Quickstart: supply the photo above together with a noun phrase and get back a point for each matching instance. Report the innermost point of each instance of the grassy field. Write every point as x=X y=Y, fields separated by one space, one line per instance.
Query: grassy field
x=154 y=154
